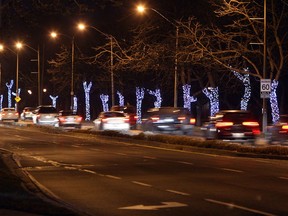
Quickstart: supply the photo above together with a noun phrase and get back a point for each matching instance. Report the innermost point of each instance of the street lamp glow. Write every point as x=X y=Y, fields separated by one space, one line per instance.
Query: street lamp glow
x=81 y=26
x=1 y=47
x=53 y=34
x=18 y=45
x=141 y=9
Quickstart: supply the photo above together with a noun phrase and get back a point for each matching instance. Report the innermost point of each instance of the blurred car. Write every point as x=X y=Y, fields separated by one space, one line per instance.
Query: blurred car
x=168 y=120
x=45 y=115
x=129 y=111
x=112 y=120
x=8 y=114
x=279 y=131
x=68 y=118
x=27 y=113
x=232 y=125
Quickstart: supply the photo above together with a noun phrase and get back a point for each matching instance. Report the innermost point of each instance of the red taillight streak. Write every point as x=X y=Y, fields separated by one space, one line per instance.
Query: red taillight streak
x=79 y=119
x=250 y=124
x=135 y=117
x=62 y=119
x=256 y=132
x=104 y=120
x=192 y=121
x=224 y=124
x=285 y=127
x=127 y=120
x=155 y=118
x=181 y=118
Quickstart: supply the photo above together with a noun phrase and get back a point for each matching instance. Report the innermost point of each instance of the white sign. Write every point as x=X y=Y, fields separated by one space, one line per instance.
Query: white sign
x=265 y=85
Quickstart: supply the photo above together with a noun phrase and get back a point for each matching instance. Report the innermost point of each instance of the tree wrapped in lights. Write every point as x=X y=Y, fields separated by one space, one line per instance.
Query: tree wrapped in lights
x=121 y=98
x=104 y=99
x=213 y=96
x=1 y=102
x=87 y=89
x=54 y=100
x=75 y=104
x=187 y=98
x=9 y=87
x=139 y=98
x=247 y=91
x=157 y=94
x=274 y=101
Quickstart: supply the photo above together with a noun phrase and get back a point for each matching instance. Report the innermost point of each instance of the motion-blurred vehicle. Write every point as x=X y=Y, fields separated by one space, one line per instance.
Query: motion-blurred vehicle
x=231 y=125
x=27 y=113
x=45 y=115
x=9 y=114
x=68 y=118
x=129 y=111
x=168 y=120
x=279 y=131
x=112 y=120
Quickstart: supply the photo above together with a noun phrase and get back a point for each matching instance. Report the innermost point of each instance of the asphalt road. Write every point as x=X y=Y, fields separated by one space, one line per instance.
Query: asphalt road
x=106 y=176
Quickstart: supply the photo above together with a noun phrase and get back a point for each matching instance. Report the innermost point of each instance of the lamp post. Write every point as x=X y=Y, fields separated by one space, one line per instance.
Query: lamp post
x=54 y=35
x=81 y=27
x=141 y=9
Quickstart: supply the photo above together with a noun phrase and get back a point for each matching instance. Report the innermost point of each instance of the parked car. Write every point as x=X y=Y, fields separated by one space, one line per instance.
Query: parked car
x=112 y=120
x=232 y=125
x=8 y=114
x=45 y=115
x=27 y=113
x=168 y=120
x=279 y=131
x=68 y=118
x=129 y=111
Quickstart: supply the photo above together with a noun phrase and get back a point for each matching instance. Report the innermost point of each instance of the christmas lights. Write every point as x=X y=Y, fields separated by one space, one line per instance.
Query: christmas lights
x=157 y=94
x=247 y=88
x=139 y=98
x=75 y=104
x=87 y=99
x=213 y=96
x=187 y=98
x=274 y=101
x=1 y=102
x=54 y=99
x=104 y=99
x=121 y=99
x=9 y=87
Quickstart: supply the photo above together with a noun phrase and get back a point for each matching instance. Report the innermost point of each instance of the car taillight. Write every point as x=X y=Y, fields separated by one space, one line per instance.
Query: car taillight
x=126 y=119
x=181 y=118
x=155 y=118
x=223 y=124
x=61 y=119
x=135 y=117
x=192 y=121
x=38 y=115
x=16 y=113
x=250 y=124
x=284 y=127
x=104 y=120
x=256 y=132
x=79 y=119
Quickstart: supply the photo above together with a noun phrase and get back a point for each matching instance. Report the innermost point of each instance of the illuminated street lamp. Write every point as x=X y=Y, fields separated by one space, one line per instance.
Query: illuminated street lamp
x=141 y=9
x=55 y=35
x=82 y=27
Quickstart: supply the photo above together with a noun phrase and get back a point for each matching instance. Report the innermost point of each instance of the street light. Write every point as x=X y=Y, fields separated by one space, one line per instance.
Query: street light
x=82 y=27
x=18 y=46
x=141 y=9
x=55 y=35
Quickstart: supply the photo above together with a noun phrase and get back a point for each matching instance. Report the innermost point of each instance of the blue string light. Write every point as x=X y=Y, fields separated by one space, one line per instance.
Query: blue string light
x=1 y=102
x=9 y=87
x=157 y=94
x=54 y=100
x=121 y=99
x=187 y=98
x=274 y=101
x=87 y=99
x=105 y=99
x=75 y=104
x=213 y=96
x=139 y=98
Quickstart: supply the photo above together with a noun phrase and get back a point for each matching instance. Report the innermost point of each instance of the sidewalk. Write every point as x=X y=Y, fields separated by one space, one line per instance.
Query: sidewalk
x=16 y=200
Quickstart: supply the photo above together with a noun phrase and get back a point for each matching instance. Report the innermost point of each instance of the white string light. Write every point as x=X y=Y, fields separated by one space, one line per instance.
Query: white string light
x=87 y=99
x=9 y=87
x=274 y=101
x=1 y=102
x=105 y=99
x=75 y=104
x=121 y=98
x=157 y=94
x=187 y=98
x=213 y=96
x=139 y=98
x=54 y=100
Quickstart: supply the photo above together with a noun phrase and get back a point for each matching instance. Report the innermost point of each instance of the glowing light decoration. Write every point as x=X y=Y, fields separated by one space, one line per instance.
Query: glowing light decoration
x=14 y=94
x=247 y=91
x=121 y=98
x=75 y=104
x=274 y=101
x=87 y=89
x=9 y=87
x=157 y=94
x=1 y=102
x=187 y=98
x=213 y=96
x=139 y=98
x=104 y=99
x=54 y=100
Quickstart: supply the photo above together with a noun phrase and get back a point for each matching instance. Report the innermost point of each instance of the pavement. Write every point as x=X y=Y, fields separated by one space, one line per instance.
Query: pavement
x=20 y=197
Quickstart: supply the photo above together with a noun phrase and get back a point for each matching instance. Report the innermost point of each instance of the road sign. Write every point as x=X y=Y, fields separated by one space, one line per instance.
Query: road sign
x=17 y=99
x=265 y=88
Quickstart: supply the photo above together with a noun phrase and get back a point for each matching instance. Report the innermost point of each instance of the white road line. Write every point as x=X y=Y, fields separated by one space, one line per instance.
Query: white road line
x=121 y=154
x=232 y=170
x=183 y=162
x=89 y=171
x=148 y=157
x=142 y=184
x=281 y=177
x=231 y=205
x=76 y=146
x=178 y=192
x=113 y=177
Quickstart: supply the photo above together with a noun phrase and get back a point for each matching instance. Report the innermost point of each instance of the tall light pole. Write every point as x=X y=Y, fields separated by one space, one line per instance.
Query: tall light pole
x=18 y=46
x=54 y=35
x=141 y=9
x=264 y=124
x=82 y=26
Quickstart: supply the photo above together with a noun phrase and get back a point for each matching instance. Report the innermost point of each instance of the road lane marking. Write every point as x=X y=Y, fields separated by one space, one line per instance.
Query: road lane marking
x=148 y=157
x=113 y=177
x=232 y=170
x=183 y=162
x=232 y=205
x=178 y=192
x=121 y=154
x=155 y=207
x=142 y=184
x=89 y=171
x=281 y=177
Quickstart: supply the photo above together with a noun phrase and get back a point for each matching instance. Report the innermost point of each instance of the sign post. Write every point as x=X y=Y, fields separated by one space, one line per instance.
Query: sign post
x=265 y=88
